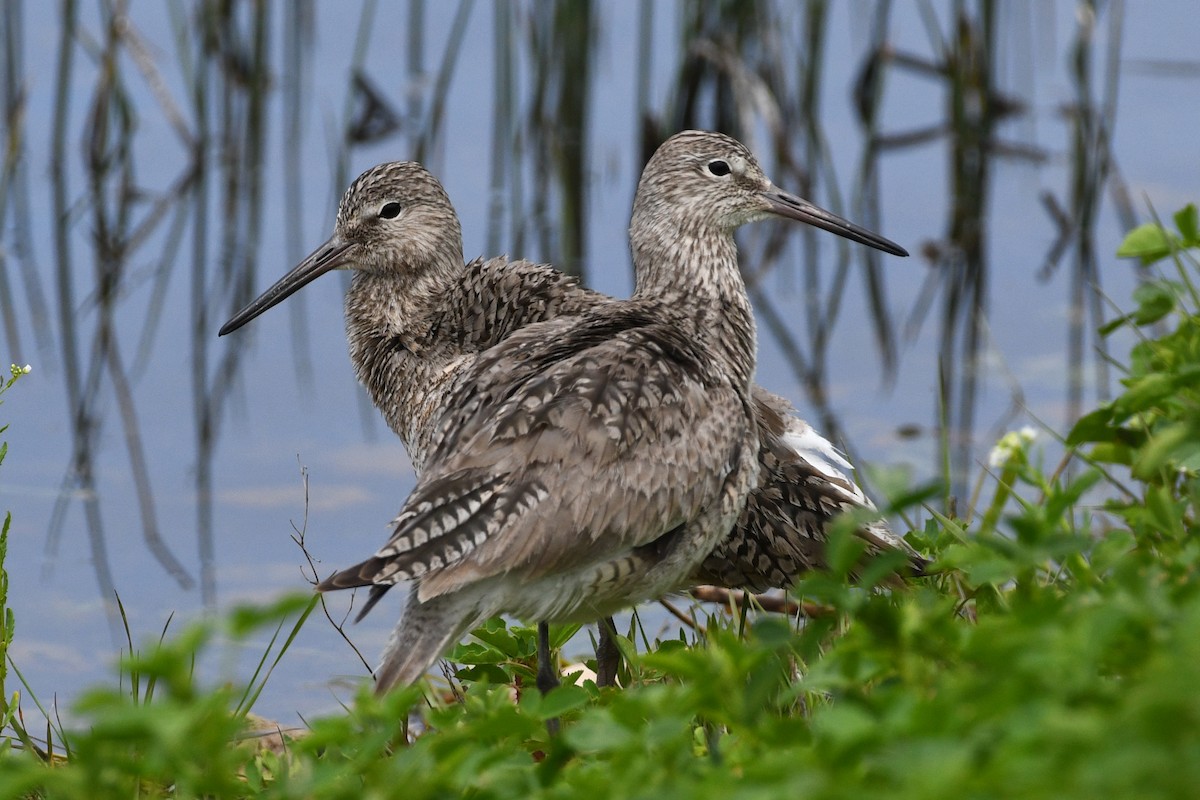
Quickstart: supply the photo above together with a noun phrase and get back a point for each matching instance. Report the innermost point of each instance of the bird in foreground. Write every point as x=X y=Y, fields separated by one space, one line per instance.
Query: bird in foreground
x=418 y=319
x=588 y=463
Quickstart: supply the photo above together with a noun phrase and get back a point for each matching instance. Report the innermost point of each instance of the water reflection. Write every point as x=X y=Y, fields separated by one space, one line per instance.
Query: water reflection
x=157 y=128
x=974 y=110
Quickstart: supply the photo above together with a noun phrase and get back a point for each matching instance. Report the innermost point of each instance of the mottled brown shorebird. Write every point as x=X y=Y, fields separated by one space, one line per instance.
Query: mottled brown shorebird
x=418 y=320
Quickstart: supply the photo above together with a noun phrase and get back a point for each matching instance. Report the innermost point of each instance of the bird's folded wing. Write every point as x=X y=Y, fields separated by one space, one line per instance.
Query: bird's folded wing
x=570 y=444
x=805 y=483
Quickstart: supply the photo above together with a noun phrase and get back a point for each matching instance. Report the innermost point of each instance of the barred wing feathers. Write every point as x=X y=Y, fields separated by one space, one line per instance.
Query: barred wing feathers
x=611 y=426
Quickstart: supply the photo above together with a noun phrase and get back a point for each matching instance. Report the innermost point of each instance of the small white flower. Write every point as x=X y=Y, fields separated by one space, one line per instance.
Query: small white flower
x=27 y=369
x=999 y=455
x=1010 y=445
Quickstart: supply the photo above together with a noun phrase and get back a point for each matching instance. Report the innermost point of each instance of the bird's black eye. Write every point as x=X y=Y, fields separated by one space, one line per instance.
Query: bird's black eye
x=719 y=168
x=390 y=210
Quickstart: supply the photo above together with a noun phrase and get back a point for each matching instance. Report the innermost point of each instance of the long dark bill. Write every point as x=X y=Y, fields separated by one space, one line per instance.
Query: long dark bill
x=329 y=256
x=793 y=207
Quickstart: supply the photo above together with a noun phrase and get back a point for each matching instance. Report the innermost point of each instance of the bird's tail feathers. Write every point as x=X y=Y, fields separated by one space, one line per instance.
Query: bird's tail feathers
x=425 y=632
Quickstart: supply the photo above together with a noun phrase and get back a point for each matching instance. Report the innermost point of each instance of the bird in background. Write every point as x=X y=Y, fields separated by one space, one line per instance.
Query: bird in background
x=420 y=324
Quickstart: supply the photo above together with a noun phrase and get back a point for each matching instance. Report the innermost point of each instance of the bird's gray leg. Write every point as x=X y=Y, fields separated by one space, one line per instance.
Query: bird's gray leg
x=608 y=656
x=547 y=674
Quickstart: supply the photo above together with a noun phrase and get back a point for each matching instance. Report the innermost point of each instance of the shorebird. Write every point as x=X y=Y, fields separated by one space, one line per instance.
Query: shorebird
x=418 y=319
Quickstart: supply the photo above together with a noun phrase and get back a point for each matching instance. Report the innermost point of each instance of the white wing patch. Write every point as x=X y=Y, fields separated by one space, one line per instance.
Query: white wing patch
x=819 y=453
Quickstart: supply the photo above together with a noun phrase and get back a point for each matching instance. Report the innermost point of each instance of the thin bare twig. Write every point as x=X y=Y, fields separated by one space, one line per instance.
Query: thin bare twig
x=776 y=604
x=683 y=617
x=298 y=538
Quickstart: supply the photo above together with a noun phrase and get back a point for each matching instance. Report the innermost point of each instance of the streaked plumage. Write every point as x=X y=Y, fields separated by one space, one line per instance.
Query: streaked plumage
x=803 y=483
x=418 y=322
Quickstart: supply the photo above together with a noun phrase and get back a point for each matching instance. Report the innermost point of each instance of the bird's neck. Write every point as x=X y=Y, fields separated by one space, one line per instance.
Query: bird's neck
x=386 y=305
x=694 y=270
x=391 y=327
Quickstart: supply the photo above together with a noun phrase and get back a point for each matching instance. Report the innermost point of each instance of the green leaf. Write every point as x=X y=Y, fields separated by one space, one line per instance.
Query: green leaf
x=1115 y=324
x=844 y=549
x=1189 y=457
x=1173 y=443
x=1164 y=510
x=1188 y=222
x=559 y=701
x=1155 y=301
x=1115 y=545
x=561 y=634
x=247 y=618
x=980 y=564
x=1148 y=242
x=596 y=733
x=1112 y=453
x=1146 y=392
x=1096 y=426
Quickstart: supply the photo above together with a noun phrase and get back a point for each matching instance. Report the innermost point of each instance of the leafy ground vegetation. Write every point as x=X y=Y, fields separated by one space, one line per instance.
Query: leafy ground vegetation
x=1054 y=654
